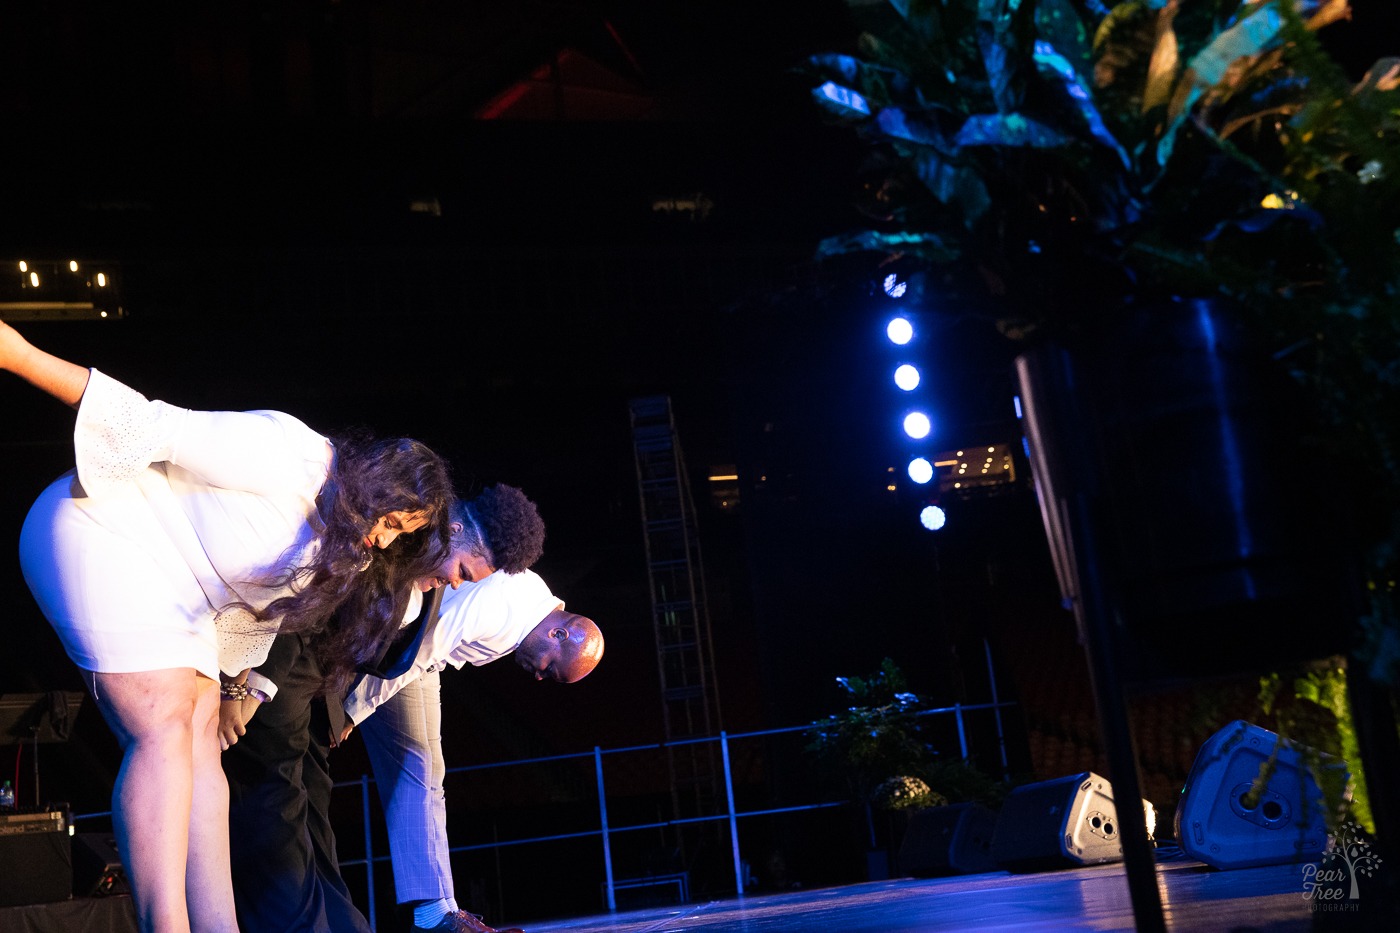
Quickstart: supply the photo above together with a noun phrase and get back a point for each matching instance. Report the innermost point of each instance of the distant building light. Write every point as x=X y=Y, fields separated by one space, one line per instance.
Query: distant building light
x=973 y=471
x=724 y=486
x=60 y=290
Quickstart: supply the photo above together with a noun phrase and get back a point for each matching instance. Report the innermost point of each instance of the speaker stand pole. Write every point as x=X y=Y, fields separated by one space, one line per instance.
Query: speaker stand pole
x=1067 y=476
x=1097 y=630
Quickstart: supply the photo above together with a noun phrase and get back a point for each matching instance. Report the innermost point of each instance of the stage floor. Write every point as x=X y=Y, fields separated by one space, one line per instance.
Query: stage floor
x=1194 y=898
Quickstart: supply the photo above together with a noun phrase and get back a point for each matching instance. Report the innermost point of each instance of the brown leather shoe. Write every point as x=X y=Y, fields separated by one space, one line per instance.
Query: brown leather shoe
x=459 y=921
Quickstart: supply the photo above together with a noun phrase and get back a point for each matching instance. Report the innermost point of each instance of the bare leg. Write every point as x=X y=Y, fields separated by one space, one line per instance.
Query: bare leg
x=208 y=885
x=152 y=714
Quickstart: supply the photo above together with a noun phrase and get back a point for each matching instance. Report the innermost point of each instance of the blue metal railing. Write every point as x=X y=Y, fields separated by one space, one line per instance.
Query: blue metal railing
x=606 y=830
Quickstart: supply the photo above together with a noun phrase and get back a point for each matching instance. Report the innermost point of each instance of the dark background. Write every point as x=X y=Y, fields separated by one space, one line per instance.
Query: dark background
x=252 y=167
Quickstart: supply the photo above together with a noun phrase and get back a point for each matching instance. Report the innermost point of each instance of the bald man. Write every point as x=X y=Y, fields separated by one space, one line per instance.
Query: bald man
x=479 y=622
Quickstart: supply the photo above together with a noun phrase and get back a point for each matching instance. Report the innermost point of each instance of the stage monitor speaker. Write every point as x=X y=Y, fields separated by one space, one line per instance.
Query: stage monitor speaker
x=35 y=858
x=1215 y=822
x=949 y=840
x=97 y=866
x=1067 y=821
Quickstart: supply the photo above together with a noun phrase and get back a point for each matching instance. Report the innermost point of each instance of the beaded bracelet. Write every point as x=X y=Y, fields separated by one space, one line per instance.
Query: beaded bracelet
x=229 y=690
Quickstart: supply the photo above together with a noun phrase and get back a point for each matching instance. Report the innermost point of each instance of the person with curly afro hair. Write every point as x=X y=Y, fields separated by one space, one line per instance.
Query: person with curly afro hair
x=483 y=617
x=503 y=526
x=484 y=604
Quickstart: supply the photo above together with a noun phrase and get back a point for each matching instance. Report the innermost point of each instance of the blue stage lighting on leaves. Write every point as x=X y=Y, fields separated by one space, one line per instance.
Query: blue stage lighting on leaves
x=907 y=377
x=917 y=425
x=920 y=470
x=842 y=99
x=932 y=517
x=900 y=331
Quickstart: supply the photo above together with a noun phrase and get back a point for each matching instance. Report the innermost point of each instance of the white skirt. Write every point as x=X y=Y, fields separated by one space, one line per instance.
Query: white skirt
x=107 y=576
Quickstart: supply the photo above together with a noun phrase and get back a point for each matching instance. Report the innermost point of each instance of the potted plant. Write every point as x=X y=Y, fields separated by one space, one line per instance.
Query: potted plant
x=1126 y=191
x=1170 y=205
x=878 y=749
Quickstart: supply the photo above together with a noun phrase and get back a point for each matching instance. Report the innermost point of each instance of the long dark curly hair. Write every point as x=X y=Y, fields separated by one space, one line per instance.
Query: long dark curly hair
x=510 y=526
x=352 y=600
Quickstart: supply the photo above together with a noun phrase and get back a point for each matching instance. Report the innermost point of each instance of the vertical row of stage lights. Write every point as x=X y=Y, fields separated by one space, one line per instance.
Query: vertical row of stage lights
x=917 y=425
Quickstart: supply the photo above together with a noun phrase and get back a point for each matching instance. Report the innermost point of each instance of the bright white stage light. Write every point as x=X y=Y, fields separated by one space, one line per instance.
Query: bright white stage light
x=920 y=470
x=907 y=377
x=932 y=517
x=899 y=330
x=917 y=425
x=894 y=287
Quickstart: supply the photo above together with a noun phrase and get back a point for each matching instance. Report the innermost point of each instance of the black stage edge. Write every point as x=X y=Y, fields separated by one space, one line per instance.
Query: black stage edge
x=88 y=914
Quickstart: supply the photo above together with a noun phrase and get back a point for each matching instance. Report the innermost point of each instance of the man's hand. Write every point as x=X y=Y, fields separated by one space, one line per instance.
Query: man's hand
x=344 y=734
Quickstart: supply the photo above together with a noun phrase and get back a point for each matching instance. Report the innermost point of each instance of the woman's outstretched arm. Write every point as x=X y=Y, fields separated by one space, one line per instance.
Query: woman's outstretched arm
x=63 y=380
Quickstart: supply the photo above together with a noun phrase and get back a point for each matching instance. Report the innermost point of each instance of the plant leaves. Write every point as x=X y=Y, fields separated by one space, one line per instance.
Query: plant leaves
x=1012 y=129
x=1163 y=67
x=1052 y=64
x=1058 y=23
x=929 y=246
x=1005 y=30
x=879 y=84
x=1253 y=34
x=914 y=127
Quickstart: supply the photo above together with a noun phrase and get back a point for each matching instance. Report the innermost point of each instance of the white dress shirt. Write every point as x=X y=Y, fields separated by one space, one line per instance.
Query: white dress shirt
x=479 y=622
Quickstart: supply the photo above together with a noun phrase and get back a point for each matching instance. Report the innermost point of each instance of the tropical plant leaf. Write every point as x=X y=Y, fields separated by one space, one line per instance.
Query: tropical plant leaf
x=1058 y=23
x=951 y=182
x=1012 y=129
x=923 y=18
x=1054 y=65
x=930 y=246
x=880 y=84
x=1163 y=67
x=914 y=127
x=1251 y=35
x=1005 y=30
x=1381 y=78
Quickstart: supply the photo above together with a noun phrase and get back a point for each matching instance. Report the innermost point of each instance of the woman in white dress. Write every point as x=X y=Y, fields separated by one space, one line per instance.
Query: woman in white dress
x=167 y=562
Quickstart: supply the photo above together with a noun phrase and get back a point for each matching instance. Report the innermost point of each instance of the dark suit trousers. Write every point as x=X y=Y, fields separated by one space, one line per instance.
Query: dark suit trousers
x=285 y=873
